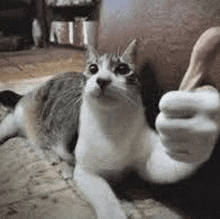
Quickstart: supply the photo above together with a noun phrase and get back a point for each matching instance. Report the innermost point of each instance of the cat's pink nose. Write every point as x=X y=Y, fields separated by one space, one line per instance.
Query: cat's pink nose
x=103 y=82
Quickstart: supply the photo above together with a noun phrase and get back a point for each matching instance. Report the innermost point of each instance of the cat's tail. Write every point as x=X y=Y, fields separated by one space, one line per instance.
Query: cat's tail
x=204 y=53
x=9 y=98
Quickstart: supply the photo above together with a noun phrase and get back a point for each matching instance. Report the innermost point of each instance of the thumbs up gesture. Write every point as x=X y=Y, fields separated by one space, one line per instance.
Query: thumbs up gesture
x=189 y=124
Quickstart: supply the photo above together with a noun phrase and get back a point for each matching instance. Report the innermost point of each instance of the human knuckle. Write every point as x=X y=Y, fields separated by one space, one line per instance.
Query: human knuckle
x=166 y=98
x=161 y=121
x=210 y=103
x=206 y=130
x=213 y=106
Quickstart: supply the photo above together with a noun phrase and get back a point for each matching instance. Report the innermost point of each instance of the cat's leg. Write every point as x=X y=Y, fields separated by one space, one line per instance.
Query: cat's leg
x=61 y=150
x=12 y=125
x=161 y=168
x=99 y=193
x=60 y=154
x=7 y=128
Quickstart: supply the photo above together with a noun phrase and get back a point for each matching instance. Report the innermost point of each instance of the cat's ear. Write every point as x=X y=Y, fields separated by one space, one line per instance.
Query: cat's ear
x=91 y=53
x=129 y=54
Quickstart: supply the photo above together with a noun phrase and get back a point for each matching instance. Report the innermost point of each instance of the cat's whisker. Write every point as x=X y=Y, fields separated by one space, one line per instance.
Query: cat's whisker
x=74 y=88
x=130 y=96
x=71 y=90
x=70 y=93
x=78 y=101
x=75 y=102
x=128 y=88
x=130 y=100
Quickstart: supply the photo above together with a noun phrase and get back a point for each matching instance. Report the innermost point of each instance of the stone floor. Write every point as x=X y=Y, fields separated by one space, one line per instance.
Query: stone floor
x=32 y=184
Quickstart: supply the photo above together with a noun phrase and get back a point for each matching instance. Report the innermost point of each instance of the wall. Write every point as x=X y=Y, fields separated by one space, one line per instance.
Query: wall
x=166 y=30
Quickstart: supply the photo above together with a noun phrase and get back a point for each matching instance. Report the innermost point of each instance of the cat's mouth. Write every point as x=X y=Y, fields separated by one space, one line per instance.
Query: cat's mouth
x=103 y=95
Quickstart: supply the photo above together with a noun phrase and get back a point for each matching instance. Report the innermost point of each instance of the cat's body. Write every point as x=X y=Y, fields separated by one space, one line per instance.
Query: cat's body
x=113 y=133
x=48 y=115
x=114 y=136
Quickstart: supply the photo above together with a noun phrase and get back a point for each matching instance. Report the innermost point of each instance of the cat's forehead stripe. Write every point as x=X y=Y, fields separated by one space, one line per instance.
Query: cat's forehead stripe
x=108 y=60
x=109 y=57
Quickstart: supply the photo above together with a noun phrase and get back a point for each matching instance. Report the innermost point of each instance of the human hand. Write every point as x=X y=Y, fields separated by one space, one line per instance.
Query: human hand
x=188 y=124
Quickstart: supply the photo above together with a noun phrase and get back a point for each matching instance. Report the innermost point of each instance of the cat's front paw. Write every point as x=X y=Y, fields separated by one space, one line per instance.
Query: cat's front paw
x=188 y=124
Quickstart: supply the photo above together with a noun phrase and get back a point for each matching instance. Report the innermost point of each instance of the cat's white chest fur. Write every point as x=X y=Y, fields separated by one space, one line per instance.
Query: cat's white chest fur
x=109 y=140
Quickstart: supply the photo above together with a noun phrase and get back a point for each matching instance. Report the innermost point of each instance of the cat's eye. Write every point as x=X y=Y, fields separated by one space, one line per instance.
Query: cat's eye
x=122 y=69
x=93 y=69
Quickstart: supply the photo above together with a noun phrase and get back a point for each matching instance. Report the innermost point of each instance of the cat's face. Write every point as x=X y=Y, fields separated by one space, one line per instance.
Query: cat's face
x=111 y=79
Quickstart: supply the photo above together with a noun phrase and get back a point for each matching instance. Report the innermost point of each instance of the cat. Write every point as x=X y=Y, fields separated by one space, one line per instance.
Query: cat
x=113 y=134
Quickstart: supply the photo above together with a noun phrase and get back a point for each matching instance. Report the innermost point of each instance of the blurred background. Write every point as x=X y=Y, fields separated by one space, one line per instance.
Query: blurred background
x=165 y=29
